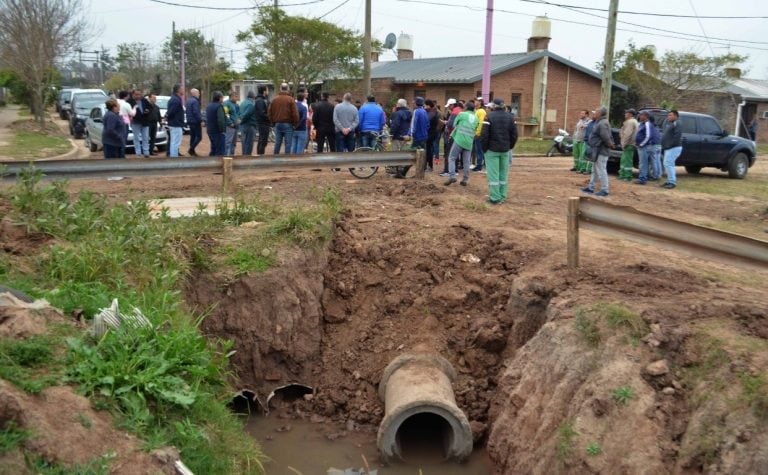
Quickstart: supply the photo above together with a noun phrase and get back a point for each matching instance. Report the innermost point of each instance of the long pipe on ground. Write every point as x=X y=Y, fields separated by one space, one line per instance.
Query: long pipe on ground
x=415 y=384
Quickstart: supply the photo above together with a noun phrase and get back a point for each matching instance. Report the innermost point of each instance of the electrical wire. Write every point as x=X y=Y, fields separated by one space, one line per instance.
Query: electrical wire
x=333 y=9
x=667 y=15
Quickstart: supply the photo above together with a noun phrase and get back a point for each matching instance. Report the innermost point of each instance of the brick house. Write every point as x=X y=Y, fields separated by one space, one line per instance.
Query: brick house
x=546 y=91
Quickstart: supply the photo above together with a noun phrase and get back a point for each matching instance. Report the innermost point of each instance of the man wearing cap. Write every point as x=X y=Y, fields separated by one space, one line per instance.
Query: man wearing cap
x=627 y=134
x=646 y=140
x=498 y=138
x=463 y=140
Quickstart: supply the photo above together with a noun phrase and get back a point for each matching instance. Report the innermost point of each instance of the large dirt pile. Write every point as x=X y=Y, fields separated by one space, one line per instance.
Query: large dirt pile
x=585 y=396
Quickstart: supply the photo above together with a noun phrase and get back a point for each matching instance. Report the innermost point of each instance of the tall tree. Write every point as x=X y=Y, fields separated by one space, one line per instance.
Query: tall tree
x=200 y=53
x=300 y=50
x=135 y=62
x=671 y=78
x=33 y=35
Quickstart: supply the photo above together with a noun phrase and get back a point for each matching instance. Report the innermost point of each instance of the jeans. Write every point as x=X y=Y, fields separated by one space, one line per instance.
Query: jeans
x=230 y=141
x=656 y=162
x=466 y=156
x=113 y=151
x=644 y=154
x=497 y=164
x=261 y=147
x=600 y=173
x=368 y=139
x=247 y=131
x=283 y=132
x=217 y=144
x=479 y=156
x=325 y=136
x=195 y=136
x=141 y=139
x=298 y=142
x=176 y=133
x=345 y=143
x=670 y=155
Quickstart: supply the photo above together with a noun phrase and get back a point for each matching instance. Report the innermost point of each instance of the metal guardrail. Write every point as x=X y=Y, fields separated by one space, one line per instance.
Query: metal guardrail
x=90 y=168
x=627 y=222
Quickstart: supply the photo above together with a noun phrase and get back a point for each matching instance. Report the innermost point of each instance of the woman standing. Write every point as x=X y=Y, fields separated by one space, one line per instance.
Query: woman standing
x=114 y=132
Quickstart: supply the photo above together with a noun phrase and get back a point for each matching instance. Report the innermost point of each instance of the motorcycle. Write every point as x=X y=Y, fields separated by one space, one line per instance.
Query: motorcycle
x=562 y=143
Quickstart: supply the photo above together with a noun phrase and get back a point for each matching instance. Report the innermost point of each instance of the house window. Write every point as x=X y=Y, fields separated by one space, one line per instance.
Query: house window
x=514 y=104
x=419 y=93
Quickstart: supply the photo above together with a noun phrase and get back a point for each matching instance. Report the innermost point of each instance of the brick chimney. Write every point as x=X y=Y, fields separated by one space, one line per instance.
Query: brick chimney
x=733 y=72
x=404 y=47
x=540 y=32
x=374 y=56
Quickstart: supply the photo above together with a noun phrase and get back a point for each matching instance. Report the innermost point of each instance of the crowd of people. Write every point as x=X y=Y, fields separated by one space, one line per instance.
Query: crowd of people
x=467 y=129
x=593 y=140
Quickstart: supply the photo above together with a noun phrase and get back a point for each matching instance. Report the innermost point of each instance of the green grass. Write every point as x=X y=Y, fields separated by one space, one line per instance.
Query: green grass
x=589 y=320
x=96 y=466
x=166 y=384
x=31 y=145
x=532 y=146
x=587 y=328
x=755 y=389
x=594 y=449
x=622 y=395
x=755 y=187
x=566 y=438
x=11 y=437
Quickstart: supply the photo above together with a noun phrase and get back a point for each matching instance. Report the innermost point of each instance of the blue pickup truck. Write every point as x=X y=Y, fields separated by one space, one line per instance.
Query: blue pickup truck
x=705 y=145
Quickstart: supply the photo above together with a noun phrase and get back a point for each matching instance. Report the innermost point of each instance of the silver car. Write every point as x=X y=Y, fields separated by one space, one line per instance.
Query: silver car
x=94 y=127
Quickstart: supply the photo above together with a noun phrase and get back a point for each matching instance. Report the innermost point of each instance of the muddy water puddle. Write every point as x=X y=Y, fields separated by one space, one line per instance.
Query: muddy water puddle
x=300 y=446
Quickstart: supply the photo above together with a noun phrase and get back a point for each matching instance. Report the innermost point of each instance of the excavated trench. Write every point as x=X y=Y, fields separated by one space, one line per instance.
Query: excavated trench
x=332 y=320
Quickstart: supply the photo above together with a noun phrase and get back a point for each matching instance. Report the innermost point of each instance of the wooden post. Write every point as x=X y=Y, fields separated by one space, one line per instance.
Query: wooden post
x=421 y=163
x=573 y=233
x=226 y=176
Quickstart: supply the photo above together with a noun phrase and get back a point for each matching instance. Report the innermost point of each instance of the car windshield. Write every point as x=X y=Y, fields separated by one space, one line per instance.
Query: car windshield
x=89 y=103
x=162 y=102
x=90 y=96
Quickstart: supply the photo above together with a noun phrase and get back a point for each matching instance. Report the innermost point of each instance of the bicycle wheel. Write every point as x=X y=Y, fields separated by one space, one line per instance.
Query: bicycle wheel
x=363 y=172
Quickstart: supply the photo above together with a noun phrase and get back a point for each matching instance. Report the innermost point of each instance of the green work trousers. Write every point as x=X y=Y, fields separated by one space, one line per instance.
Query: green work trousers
x=497 y=169
x=627 y=157
x=579 y=150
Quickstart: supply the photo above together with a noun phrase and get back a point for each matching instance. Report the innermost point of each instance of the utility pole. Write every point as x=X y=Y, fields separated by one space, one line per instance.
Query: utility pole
x=367 y=50
x=610 y=39
x=182 y=67
x=486 y=86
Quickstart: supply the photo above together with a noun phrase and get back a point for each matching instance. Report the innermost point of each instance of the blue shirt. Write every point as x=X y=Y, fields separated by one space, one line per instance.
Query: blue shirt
x=371 y=117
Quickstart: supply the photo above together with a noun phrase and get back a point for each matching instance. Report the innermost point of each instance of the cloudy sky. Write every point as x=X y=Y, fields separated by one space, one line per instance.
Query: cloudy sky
x=456 y=27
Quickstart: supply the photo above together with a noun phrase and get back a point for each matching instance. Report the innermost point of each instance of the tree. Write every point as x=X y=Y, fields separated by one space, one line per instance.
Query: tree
x=200 y=55
x=34 y=34
x=133 y=60
x=300 y=50
x=669 y=80
x=117 y=82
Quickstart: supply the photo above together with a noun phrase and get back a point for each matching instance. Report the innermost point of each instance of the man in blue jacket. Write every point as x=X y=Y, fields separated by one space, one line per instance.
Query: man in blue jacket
x=217 y=124
x=232 y=113
x=419 y=131
x=194 y=120
x=371 y=118
x=174 y=116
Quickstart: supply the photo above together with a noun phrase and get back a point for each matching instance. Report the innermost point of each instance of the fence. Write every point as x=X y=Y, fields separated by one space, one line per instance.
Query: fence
x=627 y=222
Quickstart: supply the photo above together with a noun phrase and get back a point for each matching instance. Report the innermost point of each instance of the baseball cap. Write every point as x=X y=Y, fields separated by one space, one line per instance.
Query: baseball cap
x=479 y=98
x=498 y=102
x=450 y=102
x=419 y=101
x=631 y=111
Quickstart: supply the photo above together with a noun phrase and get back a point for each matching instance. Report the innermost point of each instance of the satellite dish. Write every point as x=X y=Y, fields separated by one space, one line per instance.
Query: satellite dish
x=390 y=41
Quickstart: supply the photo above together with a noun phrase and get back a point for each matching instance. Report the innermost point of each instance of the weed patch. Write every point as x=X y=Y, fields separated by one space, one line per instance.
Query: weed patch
x=566 y=438
x=587 y=328
x=30 y=364
x=11 y=437
x=589 y=321
x=594 y=449
x=622 y=395
x=755 y=389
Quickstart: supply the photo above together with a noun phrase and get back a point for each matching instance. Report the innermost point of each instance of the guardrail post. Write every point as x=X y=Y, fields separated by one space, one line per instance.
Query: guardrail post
x=573 y=233
x=226 y=176
x=421 y=163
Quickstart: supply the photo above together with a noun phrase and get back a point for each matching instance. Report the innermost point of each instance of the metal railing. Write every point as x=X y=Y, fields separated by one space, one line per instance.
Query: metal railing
x=627 y=222
x=91 y=168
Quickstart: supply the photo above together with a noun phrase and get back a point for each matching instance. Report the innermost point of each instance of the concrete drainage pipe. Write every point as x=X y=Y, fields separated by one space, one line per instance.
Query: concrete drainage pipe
x=419 y=404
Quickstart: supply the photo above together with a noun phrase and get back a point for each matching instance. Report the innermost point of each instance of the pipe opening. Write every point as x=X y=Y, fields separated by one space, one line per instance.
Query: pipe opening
x=424 y=438
x=285 y=395
x=245 y=402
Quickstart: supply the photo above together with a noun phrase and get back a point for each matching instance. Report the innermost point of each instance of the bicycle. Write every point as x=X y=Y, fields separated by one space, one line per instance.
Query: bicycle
x=378 y=146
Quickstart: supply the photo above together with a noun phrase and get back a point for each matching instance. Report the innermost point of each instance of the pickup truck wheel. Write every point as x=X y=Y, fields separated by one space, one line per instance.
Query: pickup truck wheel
x=738 y=166
x=693 y=169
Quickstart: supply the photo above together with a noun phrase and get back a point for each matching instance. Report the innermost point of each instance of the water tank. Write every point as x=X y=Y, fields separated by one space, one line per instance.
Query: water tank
x=542 y=27
x=405 y=41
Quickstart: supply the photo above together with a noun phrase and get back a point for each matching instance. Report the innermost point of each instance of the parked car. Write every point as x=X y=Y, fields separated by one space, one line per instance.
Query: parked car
x=94 y=128
x=162 y=103
x=60 y=97
x=705 y=145
x=83 y=100
x=65 y=98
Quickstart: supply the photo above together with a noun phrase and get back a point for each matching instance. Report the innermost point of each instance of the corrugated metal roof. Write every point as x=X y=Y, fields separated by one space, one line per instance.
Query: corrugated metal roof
x=756 y=89
x=463 y=69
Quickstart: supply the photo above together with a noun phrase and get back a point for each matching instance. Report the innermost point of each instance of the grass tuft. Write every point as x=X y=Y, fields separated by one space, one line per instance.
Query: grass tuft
x=566 y=438
x=622 y=395
x=11 y=437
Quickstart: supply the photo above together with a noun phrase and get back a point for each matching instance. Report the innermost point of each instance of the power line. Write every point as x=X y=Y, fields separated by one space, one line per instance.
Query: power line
x=241 y=9
x=668 y=15
x=333 y=9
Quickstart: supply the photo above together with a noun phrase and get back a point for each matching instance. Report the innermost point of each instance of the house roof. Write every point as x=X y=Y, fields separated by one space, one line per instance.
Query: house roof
x=464 y=69
x=752 y=89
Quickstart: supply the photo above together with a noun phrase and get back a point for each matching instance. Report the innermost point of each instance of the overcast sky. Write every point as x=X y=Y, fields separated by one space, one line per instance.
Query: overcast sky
x=456 y=27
